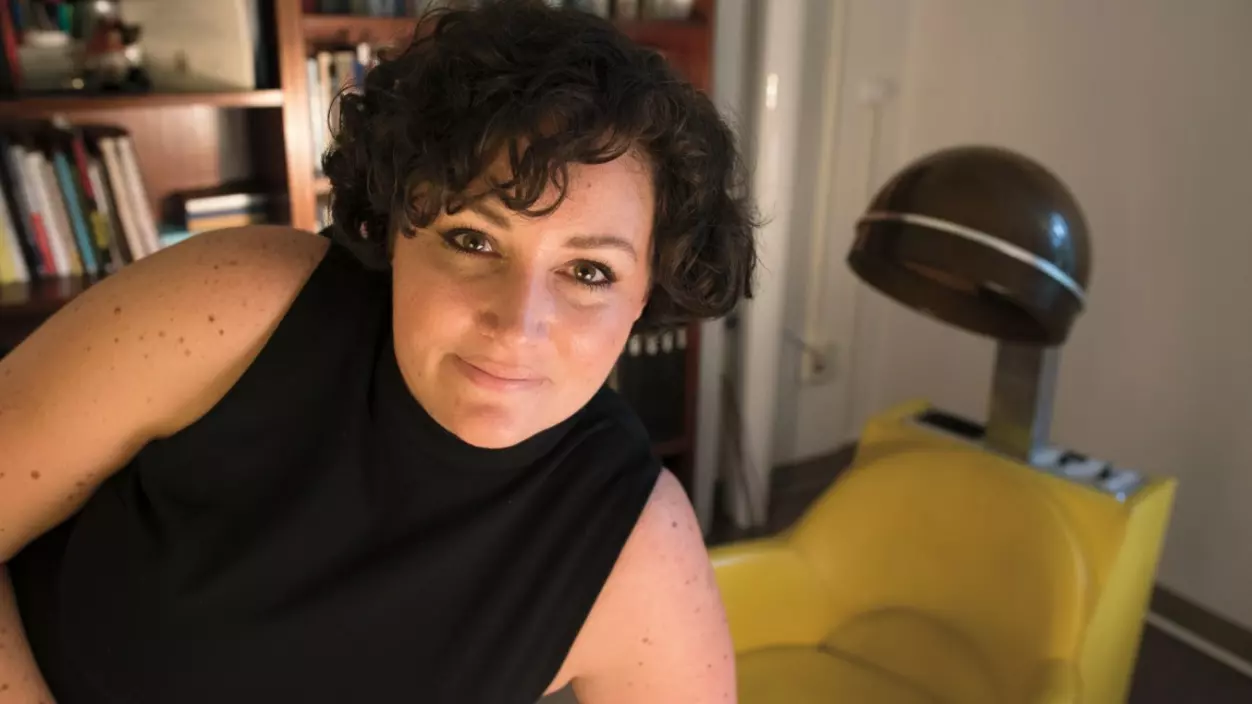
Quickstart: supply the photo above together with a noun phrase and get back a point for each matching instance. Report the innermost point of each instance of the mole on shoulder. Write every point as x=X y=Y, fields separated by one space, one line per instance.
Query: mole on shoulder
x=34 y=474
x=212 y=318
x=117 y=310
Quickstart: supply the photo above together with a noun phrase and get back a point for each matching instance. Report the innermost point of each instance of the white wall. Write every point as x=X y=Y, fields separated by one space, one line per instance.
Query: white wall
x=868 y=39
x=733 y=65
x=1144 y=107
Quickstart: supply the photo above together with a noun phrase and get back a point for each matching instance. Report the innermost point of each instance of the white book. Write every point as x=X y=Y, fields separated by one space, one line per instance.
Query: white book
x=113 y=169
x=56 y=201
x=330 y=107
x=24 y=197
x=226 y=201
x=317 y=115
x=32 y=173
x=139 y=194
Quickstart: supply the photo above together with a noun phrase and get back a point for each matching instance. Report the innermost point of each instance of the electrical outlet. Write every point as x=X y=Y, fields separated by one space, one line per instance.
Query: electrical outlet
x=817 y=365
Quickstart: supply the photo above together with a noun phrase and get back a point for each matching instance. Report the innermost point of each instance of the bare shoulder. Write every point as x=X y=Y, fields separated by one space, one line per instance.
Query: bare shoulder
x=193 y=311
x=658 y=632
x=138 y=355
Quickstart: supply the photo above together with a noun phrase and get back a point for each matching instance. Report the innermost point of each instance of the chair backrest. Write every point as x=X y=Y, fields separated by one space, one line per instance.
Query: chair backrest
x=959 y=539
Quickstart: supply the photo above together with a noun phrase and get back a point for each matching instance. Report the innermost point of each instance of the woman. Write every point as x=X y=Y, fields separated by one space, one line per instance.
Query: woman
x=266 y=466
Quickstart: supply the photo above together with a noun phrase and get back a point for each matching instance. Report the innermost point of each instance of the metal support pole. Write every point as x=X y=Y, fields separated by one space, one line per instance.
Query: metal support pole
x=1020 y=417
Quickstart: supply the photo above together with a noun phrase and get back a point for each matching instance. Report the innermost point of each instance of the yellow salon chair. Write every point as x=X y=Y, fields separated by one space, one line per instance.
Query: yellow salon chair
x=955 y=561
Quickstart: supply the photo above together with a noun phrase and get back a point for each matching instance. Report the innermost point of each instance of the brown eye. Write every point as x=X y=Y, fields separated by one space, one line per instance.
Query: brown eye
x=591 y=274
x=471 y=241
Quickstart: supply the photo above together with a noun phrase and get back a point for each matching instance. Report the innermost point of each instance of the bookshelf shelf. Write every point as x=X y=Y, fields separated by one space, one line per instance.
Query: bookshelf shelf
x=41 y=297
x=348 y=29
x=345 y=30
x=35 y=106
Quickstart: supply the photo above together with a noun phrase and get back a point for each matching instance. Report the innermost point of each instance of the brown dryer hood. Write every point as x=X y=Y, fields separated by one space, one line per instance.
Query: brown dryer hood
x=982 y=238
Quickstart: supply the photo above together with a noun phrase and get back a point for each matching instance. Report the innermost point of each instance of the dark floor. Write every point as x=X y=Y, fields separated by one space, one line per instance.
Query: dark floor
x=1168 y=671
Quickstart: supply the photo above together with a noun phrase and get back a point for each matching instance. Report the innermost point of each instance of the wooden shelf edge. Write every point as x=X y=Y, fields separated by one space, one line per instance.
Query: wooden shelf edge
x=27 y=106
x=41 y=298
x=353 y=29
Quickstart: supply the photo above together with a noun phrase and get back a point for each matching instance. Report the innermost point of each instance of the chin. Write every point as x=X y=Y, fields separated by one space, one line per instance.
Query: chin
x=492 y=429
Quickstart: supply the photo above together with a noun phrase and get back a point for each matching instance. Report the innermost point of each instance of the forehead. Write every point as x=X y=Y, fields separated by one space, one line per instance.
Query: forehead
x=615 y=197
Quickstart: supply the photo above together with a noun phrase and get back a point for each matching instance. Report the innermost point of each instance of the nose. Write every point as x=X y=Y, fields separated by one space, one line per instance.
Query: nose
x=519 y=307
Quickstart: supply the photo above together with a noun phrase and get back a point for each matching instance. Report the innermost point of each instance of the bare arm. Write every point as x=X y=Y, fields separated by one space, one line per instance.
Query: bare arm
x=658 y=632
x=137 y=356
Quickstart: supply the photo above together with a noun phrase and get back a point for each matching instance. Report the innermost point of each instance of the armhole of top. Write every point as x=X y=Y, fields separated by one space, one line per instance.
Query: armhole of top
x=637 y=481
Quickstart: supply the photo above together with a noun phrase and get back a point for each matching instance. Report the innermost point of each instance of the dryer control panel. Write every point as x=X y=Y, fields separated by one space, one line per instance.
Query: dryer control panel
x=1071 y=465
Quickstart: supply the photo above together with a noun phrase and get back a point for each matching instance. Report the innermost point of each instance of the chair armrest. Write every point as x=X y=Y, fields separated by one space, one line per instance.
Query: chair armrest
x=1056 y=682
x=771 y=595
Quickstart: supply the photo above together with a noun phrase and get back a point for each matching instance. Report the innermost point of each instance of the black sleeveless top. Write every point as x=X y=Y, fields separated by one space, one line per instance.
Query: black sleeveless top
x=317 y=537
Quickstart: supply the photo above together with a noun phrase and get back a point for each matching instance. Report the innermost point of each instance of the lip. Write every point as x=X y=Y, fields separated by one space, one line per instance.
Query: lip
x=497 y=377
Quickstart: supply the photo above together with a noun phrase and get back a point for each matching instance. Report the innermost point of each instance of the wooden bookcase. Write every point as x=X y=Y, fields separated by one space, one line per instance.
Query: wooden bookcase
x=185 y=141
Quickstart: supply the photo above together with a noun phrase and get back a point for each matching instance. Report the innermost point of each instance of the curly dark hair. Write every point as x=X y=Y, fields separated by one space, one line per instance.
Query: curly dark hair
x=549 y=88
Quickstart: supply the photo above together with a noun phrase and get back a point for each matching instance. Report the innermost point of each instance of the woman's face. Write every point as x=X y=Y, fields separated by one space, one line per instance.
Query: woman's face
x=505 y=325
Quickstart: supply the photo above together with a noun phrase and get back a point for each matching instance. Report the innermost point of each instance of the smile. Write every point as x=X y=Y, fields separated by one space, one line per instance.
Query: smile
x=497 y=377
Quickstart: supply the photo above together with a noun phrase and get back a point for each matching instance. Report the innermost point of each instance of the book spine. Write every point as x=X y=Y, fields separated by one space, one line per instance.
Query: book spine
x=75 y=219
x=15 y=193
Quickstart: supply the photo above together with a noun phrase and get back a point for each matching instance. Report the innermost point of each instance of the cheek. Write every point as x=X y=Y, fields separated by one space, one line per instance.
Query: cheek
x=430 y=307
x=590 y=342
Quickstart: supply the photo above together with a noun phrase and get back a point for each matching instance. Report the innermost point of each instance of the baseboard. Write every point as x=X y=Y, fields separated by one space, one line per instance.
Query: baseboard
x=1219 y=631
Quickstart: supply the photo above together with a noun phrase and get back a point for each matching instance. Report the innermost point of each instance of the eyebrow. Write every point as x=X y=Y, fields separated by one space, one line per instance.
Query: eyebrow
x=602 y=242
x=490 y=214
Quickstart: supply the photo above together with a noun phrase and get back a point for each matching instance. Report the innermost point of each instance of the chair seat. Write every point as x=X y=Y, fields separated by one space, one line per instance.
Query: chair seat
x=810 y=676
